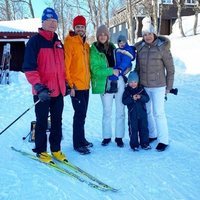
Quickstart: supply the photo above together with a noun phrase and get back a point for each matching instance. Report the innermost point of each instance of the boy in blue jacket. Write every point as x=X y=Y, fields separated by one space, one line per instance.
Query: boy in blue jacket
x=123 y=57
x=135 y=97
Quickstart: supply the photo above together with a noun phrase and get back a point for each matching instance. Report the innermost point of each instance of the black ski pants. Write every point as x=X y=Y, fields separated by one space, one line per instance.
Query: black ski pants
x=55 y=107
x=80 y=105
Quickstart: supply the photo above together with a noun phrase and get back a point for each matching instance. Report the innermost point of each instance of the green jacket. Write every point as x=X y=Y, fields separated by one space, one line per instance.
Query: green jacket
x=99 y=70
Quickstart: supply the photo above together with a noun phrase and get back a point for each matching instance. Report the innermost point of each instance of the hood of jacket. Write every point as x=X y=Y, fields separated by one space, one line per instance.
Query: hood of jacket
x=160 y=41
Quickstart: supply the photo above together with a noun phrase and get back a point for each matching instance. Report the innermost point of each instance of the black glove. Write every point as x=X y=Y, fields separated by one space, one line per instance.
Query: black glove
x=68 y=89
x=42 y=92
x=174 y=91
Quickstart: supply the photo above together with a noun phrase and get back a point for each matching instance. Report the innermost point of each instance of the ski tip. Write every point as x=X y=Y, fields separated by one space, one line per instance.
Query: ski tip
x=52 y=163
x=109 y=188
x=114 y=190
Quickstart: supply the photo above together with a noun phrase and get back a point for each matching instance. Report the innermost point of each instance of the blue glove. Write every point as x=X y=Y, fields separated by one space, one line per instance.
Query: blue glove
x=43 y=92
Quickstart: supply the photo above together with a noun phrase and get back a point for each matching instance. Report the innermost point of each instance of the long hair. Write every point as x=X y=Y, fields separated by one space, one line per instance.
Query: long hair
x=104 y=48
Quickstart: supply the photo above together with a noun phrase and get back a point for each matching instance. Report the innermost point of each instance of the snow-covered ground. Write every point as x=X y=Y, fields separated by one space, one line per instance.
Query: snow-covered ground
x=144 y=175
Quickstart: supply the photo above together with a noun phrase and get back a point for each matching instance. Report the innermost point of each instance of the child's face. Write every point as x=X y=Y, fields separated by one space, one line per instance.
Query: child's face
x=121 y=44
x=133 y=84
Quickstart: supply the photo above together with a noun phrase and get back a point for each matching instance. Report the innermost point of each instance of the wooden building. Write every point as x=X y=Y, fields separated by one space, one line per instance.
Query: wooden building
x=17 y=33
x=118 y=23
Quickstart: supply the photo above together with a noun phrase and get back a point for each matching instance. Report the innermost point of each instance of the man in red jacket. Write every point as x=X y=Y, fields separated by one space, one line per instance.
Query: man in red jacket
x=44 y=69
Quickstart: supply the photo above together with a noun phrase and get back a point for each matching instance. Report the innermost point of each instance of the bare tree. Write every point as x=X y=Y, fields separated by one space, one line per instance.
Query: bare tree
x=93 y=13
x=180 y=4
x=130 y=21
x=99 y=12
x=197 y=11
x=5 y=10
x=136 y=23
x=155 y=14
x=29 y=4
x=59 y=6
x=15 y=9
x=106 y=6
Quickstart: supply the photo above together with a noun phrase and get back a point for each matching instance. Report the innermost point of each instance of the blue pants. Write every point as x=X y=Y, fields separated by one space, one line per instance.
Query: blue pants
x=138 y=130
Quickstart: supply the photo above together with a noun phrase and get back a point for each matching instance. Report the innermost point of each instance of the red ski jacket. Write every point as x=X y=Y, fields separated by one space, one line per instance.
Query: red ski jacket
x=44 y=62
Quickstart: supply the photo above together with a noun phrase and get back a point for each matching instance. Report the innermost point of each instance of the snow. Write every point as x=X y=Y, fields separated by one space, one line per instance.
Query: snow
x=144 y=175
x=27 y=25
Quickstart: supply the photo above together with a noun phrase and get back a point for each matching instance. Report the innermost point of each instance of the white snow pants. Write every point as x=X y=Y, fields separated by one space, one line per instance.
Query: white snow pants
x=157 y=122
x=107 y=102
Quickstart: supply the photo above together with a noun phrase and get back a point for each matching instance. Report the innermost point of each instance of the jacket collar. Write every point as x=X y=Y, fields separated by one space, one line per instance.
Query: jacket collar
x=73 y=34
x=48 y=35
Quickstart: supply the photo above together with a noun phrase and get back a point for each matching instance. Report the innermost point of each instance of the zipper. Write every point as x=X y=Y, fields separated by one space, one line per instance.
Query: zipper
x=147 y=64
x=86 y=66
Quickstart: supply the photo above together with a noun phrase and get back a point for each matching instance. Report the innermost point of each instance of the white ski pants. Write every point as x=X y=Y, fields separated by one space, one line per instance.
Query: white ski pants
x=157 y=122
x=107 y=102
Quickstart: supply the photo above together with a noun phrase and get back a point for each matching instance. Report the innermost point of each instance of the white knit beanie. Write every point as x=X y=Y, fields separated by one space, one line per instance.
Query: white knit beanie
x=147 y=26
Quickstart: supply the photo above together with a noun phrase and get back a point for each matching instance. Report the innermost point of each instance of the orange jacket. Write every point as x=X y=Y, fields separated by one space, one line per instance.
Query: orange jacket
x=77 y=62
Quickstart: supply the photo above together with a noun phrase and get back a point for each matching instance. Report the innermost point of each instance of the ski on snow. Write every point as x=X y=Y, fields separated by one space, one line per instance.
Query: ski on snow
x=99 y=185
x=91 y=177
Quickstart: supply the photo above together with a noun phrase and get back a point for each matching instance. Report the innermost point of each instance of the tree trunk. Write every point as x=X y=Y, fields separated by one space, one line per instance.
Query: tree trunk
x=179 y=18
x=31 y=9
x=107 y=12
x=136 y=25
x=155 y=14
x=160 y=18
x=8 y=11
x=130 y=22
x=195 y=23
x=196 y=9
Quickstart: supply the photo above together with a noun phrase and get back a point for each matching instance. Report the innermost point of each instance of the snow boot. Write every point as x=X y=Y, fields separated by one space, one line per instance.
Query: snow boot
x=44 y=157
x=152 y=139
x=58 y=155
x=105 y=142
x=161 y=147
x=135 y=148
x=146 y=147
x=82 y=150
x=119 y=142
x=88 y=144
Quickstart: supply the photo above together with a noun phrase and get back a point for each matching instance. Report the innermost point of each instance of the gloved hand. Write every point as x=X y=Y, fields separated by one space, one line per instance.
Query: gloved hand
x=68 y=89
x=42 y=92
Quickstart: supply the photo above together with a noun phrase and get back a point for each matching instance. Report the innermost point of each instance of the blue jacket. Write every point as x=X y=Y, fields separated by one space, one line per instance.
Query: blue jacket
x=135 y=108
x=123 y=61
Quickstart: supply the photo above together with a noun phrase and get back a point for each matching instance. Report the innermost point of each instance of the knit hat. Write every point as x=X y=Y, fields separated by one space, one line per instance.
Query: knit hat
x=79 y=20
x=102 y=29
x=133 y=76
x=147 y=26
x=121 y=38
x=49 y=13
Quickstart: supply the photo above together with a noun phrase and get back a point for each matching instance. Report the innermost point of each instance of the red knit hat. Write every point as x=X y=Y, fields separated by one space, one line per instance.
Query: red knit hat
x=79 y=20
